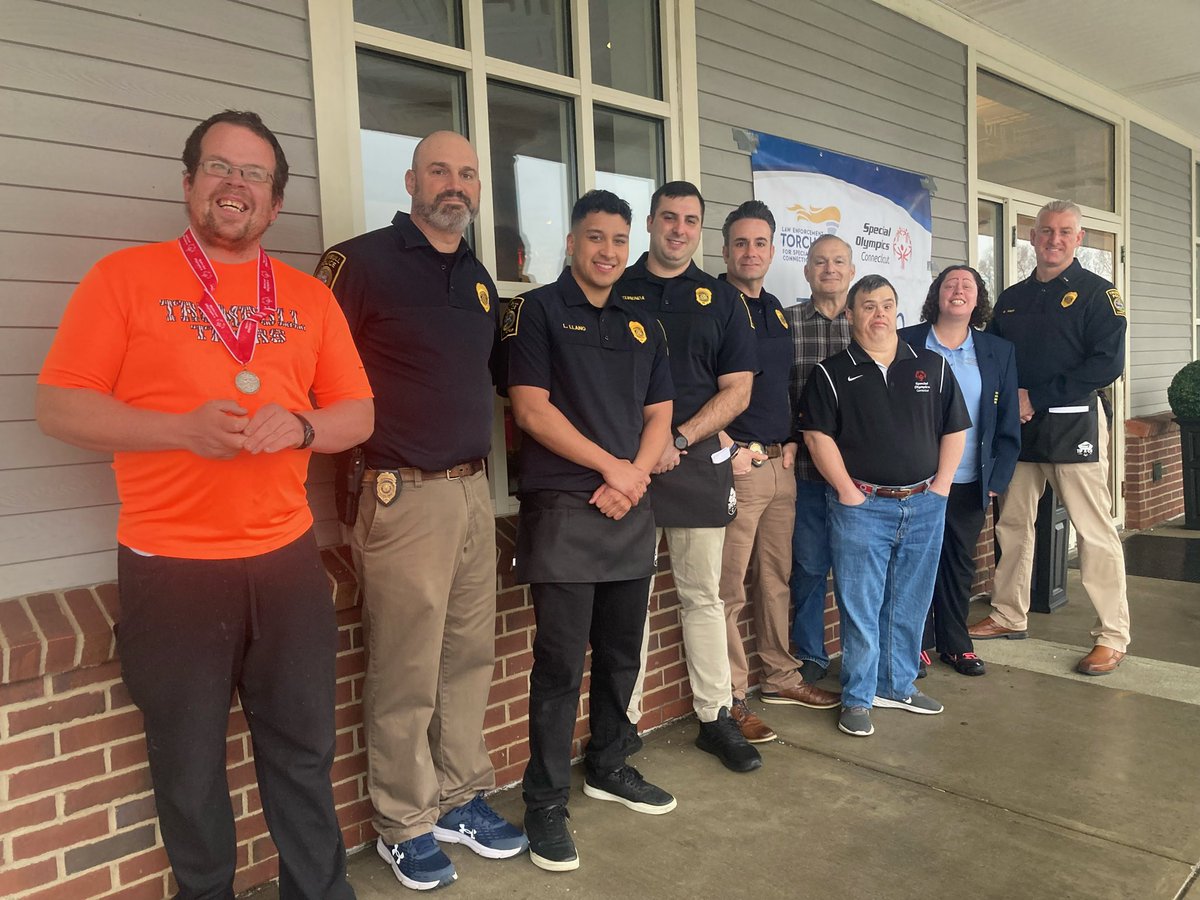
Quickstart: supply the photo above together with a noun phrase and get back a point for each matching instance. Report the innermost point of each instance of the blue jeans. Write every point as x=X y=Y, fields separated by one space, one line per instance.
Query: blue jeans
x=885 y=554
x=811 y=561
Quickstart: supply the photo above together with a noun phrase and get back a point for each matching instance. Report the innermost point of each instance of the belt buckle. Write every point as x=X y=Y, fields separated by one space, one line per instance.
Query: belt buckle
x=450 y=476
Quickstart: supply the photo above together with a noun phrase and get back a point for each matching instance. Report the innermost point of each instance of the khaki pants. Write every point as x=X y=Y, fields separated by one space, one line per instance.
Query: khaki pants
x=1083 y=489
x=428 y=565
x=696 y=566
x=762 y=533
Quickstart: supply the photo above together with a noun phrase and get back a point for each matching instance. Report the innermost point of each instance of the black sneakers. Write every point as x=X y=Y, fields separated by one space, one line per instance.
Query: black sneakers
x=550 y=844
x=626 y=785
x=723 y=739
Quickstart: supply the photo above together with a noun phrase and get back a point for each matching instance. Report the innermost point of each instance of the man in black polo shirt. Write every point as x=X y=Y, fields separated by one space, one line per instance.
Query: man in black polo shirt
x=713 y=361
x=591 y=388
x=423 y=313
x=884 y=423
x=766 y=487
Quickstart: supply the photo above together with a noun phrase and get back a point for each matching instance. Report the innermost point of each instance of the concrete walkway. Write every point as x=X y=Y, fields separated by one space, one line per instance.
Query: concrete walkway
x=1035 y=784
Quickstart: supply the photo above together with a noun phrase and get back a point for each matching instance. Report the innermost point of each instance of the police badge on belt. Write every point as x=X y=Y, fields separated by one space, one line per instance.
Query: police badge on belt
x=387 y=487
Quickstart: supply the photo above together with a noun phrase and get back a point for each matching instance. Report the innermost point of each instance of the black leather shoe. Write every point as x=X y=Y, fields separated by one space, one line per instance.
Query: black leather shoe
x=723 y=739
x=964 y=663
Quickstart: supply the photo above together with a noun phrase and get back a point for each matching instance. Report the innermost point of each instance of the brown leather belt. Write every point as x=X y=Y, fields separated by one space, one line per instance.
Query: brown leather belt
x=894 y=493
x=773 y=451
x=412 y=476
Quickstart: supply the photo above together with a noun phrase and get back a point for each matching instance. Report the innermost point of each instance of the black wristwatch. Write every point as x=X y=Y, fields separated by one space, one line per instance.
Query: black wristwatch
x=681 y=443
x=309 y=434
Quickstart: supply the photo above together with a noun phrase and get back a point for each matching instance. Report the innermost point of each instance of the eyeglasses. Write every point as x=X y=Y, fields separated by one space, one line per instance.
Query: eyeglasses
x=218 y=168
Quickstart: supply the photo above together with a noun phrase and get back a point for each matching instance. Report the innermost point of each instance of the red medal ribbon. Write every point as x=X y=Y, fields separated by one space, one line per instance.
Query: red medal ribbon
x=240 y=345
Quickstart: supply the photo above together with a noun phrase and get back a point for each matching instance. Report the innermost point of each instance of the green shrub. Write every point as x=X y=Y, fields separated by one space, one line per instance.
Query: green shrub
x=1184 y=393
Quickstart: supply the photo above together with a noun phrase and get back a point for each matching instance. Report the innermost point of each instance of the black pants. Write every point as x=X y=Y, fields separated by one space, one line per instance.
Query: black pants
x=192 y=631
x=611 y=615
x=946 y=625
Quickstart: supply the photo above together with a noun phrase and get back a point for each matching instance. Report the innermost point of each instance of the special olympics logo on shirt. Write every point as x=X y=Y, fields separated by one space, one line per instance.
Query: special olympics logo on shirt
x=921 y=382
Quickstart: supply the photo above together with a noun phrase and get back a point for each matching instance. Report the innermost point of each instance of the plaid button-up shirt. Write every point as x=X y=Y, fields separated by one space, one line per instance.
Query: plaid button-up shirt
x=814 y=338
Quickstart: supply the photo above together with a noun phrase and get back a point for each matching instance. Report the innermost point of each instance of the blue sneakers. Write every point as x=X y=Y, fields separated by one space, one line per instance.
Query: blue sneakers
x=419 y=862
x=479 y=827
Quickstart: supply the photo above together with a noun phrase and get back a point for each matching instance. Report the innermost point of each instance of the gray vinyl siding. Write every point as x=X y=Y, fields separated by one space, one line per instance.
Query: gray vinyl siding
x=1160 y=266
x=848 y=76
x=97 y=98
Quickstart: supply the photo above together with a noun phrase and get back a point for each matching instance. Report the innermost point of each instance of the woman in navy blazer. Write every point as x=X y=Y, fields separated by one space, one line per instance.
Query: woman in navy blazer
x=985 y=366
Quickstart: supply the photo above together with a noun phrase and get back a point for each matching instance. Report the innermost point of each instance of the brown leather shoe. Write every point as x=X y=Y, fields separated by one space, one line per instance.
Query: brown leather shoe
x=1100 y=661
x=986 y=629
x=804 y=694
x=754 y=729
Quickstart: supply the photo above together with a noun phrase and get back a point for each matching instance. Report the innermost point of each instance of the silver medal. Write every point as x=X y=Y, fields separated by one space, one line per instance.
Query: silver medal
x=247 y=382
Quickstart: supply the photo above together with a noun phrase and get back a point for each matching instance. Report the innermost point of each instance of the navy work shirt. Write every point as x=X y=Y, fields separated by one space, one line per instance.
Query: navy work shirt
x=1069 y=333
x=426 y=326
x=888 y=431
x=707 y=325
x=768 y=418
x=601 y=365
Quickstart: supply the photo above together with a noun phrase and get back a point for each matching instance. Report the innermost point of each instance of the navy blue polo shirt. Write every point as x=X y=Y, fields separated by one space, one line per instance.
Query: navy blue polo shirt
x=1069 y=333
x=601 y=365
x=768 y=418
x=888 y=431
x=707 y=325
x=426 y=326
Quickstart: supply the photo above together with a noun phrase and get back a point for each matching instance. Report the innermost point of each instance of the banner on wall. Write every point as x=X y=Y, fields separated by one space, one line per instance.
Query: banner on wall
x=881 y=212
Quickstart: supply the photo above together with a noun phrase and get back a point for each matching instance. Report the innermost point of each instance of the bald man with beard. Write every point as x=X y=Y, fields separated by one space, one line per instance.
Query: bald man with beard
x=423 y=311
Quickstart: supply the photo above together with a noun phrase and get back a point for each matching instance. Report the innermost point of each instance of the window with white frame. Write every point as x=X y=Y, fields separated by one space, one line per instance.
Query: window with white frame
x=557 y=96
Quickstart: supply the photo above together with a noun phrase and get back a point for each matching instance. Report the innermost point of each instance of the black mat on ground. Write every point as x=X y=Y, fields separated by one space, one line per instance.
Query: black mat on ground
x=1172 y=558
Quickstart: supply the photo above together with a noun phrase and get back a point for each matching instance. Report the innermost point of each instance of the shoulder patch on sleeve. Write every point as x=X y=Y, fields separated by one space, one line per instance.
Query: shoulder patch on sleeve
x=329 y=267
x=512 y=318
x=1118 y=305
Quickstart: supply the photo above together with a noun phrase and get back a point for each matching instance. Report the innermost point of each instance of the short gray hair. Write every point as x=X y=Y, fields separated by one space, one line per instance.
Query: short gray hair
x=1061 y=206
x=831 y=237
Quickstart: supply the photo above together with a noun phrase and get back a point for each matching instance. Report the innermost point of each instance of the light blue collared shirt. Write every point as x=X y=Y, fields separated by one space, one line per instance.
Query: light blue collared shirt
x=965 y=367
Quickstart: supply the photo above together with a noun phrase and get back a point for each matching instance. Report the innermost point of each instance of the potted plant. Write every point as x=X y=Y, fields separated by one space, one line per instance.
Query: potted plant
x=1184 y=398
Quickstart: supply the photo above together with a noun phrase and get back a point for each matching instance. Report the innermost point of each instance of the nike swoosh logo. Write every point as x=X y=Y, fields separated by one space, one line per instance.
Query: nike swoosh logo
x=856 y=377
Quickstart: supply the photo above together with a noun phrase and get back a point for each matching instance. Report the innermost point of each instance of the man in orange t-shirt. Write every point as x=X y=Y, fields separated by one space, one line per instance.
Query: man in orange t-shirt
x=197 y=363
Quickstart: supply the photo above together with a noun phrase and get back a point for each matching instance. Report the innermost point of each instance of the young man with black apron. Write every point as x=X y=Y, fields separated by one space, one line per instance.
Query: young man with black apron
x=591 y=389
x=713 y=361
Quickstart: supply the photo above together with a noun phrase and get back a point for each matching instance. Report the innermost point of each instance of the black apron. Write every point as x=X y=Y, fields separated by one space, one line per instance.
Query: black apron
x=1063 y=437
x=697 y=493
x=562 y=539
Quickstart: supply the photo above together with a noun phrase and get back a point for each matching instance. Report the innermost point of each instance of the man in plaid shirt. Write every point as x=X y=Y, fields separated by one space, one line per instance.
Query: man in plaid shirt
x=819 y=329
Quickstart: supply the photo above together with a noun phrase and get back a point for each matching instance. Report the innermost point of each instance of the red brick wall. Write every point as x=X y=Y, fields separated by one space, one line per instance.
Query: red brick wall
x=76 y=810
x=1150 y=501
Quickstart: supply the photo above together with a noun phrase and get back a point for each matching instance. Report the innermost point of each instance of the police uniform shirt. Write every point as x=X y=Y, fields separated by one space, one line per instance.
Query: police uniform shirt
x=602 y=366
x=889 y=432
x=426 y=325
x=707 y=325
x=768 y=417
x=1069 y=333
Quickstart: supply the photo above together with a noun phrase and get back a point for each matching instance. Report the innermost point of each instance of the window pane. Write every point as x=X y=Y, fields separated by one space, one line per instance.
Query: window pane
x=1031 y=142
x=625 y=45
x=432 y=20
x=533 y=181
x=991 y=246
x=529 y=32
x=629 y=162
x=400 y=102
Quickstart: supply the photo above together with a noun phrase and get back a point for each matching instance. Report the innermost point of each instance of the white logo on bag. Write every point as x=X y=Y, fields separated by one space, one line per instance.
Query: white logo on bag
x=732 y=501
x=1085 y=449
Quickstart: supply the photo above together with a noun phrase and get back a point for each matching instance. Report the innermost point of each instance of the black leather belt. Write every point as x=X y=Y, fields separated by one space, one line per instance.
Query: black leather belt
x=894 y=493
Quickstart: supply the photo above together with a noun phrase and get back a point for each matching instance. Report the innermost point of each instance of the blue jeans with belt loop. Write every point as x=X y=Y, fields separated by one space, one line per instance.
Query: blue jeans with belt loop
x=885 y=556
